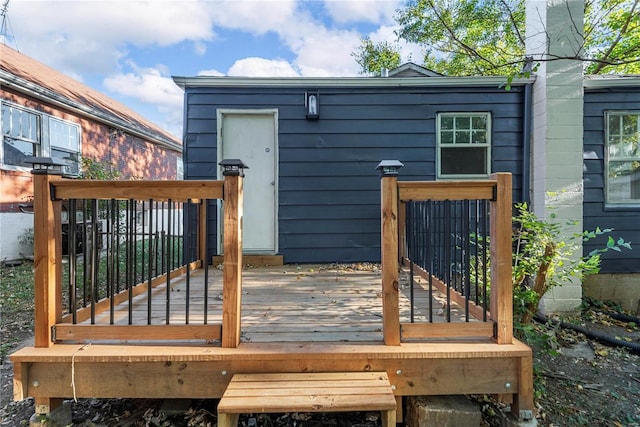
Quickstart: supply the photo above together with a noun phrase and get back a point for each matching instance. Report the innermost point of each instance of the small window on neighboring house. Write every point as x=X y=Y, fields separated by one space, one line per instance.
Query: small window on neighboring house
x=20 y=135
x=623 y=157
x=463 y=145
x=32 y=133
x=64 y=140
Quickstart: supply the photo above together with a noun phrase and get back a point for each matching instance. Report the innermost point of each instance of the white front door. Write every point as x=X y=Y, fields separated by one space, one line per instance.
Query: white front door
x=251 y=136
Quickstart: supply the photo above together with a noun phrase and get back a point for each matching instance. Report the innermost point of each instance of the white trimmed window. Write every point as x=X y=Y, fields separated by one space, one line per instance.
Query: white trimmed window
x=20 y=135
x=463 y=145
x=623 y=157
x=28 y=133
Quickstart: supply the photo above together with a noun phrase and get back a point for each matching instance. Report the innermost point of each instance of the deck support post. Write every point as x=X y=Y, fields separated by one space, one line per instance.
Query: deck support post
x=390 y=277
x=232 y=247
x=47 y=233
x=501 y=239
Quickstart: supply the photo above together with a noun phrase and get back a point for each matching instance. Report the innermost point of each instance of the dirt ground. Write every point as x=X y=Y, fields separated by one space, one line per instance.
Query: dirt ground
x=579 y=382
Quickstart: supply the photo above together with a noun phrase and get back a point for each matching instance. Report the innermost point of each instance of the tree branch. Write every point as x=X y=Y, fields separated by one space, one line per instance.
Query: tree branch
x=454 y=36
x=622 y=31
x=512 y=21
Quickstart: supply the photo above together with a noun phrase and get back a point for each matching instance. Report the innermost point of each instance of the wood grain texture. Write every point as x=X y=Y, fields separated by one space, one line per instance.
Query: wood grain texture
x=139 y=190
x=309 y=392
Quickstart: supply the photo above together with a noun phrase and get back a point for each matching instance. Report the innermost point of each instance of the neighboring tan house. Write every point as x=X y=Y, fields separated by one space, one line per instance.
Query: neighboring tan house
x=46 y=113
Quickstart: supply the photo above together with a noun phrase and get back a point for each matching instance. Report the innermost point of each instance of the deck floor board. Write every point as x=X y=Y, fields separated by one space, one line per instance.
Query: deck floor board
x=286 y=303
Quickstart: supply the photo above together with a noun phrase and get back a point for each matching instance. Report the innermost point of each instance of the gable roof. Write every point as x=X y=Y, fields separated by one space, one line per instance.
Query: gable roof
x=40 y=81
x=409 y=69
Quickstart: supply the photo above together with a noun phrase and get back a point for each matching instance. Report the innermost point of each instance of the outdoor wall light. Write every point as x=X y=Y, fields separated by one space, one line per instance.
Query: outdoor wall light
x=46 y=165
x=312 y=104
x=389 y=167
x=233 y=167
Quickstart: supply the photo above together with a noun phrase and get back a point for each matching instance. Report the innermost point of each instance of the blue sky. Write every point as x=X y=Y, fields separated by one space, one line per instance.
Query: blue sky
x=129 y=49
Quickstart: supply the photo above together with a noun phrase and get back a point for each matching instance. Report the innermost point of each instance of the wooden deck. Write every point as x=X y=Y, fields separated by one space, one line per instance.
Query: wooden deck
x=289 y=303
x=307 y=318
x=283 y=319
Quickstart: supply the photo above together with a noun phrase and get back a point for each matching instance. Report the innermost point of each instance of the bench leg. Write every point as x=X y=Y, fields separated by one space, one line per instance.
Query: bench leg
x=389 y=418
x=228 y=420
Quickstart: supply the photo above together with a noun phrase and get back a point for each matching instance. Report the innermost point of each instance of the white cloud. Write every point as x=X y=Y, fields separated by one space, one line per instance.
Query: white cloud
x=373 y=11
x=91 y=36
x=103 y=38
x=214 y=73
x=408 y=51
x=153 y=87
x=261 y=67
x=255 y=17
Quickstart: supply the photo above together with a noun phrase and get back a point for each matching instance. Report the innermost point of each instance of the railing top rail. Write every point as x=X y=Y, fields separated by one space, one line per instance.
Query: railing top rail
x=447 y=190
x=138 y=190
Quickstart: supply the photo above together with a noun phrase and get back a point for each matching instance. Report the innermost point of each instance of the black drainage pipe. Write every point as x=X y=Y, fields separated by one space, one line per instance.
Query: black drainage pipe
x=605 y=339
x=623 y=317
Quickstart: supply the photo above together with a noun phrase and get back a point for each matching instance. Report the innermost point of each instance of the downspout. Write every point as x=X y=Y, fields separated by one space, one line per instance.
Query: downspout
x=526 y=143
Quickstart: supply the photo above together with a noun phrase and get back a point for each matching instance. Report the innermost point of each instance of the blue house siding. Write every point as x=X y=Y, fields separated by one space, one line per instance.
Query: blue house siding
x=625 y=220
x=329 y=190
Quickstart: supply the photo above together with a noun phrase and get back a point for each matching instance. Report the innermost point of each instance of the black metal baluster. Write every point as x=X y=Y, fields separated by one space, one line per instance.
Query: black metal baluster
x=73 y=258
x=429 y=253
x=150 y=275
x=186 y=240
x=447 y=255
x=168 y=263
x=467 y=260
x=94 y=259
x=205 y=261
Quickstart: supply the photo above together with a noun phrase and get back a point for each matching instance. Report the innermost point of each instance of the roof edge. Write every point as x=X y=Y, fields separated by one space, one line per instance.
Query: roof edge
x=226 y=81
x=610 y=81
x=49 y=96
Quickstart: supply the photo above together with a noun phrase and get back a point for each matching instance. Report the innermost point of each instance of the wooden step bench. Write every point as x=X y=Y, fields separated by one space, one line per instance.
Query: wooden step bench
x=307 y=392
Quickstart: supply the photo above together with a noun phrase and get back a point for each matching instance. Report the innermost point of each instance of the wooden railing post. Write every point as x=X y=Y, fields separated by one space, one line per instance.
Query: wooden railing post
x=390 y=278
x=501 y=238
x=232 y=247
x=47 y=233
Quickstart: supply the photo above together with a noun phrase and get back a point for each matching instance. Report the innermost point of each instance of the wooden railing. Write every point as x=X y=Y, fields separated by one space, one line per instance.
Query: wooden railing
x=489 y=304
x=123 y=240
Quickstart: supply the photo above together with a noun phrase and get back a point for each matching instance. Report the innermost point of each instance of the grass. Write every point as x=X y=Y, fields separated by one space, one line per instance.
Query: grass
x=16 y=305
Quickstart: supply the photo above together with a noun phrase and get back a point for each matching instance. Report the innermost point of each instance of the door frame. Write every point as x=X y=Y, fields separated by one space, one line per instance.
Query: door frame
x=220 y=115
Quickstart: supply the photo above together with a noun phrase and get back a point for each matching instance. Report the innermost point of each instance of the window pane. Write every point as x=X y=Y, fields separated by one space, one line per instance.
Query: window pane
x=462 y=137
x=16 y=151
x=463 y=122
x=446 y=122
x=624 y=181
x=614 y=124
x=463 y=161
x=71 y=159
x=479 y=136
x=6 y=120
x=479 y=122
x=63 y=135
x=629 y=124
x=446 y=137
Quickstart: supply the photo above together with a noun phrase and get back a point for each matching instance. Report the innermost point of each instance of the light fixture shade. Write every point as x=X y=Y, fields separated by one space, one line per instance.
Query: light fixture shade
x=312 y=104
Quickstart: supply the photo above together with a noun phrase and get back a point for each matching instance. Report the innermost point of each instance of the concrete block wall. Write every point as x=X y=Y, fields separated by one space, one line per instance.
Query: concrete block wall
x=554 y=31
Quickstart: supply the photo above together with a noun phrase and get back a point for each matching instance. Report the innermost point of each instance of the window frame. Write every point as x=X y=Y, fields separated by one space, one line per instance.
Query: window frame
x=485 y=145
x=44 y=137
x=38 y=138
x=609 y=202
